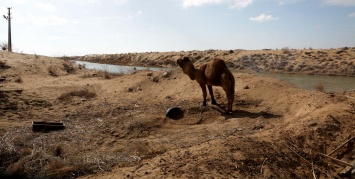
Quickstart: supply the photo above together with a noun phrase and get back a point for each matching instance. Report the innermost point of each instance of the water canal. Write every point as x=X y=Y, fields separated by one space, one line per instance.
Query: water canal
x=330 y=83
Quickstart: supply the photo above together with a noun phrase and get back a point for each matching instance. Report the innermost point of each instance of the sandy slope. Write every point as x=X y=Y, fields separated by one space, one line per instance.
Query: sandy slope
x=122 y=131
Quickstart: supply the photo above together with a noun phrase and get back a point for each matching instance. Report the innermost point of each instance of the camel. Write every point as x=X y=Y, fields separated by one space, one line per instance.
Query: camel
x=214 y=73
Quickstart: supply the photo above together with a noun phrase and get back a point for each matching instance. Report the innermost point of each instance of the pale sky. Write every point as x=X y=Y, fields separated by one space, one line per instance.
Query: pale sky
x=80 y=27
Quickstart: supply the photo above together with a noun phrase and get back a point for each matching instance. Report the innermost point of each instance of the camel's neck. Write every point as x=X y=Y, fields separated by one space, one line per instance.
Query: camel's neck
x=199 y=76
x=191 y=72
x=196 y=74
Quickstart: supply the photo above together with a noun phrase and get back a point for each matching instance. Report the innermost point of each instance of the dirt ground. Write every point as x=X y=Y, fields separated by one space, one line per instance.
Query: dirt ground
x=115 y=125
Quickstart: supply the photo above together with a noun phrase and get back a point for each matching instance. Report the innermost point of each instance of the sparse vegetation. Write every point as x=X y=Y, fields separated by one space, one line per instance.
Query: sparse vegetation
x=88 y=75
x=340 y=51
x=285 y=50
x=3 y=65
x=78 y=93
x=24 y=154
x=81 y=66
x=106 y=75
x=52 y=70
x=18 y=79
x=68 y=58
x=68 y=67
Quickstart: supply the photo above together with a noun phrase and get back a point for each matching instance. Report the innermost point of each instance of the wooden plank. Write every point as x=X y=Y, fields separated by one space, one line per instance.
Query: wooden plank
x=338 y=161
x=341 y=146
x=346 y=170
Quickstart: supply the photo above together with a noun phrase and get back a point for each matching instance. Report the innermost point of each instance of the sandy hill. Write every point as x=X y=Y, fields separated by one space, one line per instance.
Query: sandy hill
x=115 y=125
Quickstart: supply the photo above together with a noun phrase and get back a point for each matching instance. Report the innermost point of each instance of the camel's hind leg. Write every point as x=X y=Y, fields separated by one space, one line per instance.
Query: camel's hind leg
x=230 y=97
x=203 y=87
x=211 y=94
x=228 y=87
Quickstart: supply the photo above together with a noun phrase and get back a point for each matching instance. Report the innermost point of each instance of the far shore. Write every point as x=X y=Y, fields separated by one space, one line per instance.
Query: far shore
x=333 y=62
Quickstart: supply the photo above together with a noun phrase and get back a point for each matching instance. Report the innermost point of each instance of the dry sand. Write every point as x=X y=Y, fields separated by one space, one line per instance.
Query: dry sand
x=116 y=125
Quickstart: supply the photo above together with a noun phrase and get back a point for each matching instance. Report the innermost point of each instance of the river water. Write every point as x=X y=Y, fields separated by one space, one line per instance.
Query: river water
x=330 y=83
x=117 y=69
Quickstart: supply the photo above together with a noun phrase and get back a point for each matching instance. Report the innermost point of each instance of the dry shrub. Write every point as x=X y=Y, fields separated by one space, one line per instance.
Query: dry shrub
x=79 y=93
x=3 y=65
x=319 y=87
x=58 y=169
x=88 y=75
x=68 y=67
x=106 y=75
x=39 y=163
x=18 y=80
x=81 y=66
x=68 y=58
x=52 y=70
x=285 y=50
x=41 y=160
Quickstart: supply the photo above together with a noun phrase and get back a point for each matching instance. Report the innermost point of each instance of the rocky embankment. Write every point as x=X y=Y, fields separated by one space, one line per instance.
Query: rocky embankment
x=339 y=62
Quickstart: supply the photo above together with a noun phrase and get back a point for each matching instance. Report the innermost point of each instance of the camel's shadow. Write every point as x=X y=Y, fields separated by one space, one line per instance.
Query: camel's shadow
x=243 y=113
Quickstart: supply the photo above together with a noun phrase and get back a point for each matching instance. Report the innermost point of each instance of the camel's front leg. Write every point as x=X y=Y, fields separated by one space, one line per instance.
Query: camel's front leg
x=203 y=87
x=211 y=94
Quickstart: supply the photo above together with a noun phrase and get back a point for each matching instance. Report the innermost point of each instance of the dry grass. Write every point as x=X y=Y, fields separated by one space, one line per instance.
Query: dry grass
x=68 y=58
x=52 y=70
x=285 y=50
x=87 y=75
x=106 y=75
x=319 y=87
x=3 y=65
x=25 y=154
x=18 y=79
x=78 y=93
x=67 y=153
x=68 y=67
x=81 y=66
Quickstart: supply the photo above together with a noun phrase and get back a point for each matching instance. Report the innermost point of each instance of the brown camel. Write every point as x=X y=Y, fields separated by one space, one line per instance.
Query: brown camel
x=214 y=73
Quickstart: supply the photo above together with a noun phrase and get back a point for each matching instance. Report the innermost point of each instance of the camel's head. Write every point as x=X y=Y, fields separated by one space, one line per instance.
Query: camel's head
x=187 y=67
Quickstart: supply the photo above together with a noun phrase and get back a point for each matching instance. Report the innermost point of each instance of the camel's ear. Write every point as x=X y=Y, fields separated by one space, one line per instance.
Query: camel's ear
x=181 y=62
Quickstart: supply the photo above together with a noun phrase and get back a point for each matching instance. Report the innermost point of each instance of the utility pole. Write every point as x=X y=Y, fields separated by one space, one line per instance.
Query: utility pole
x=8 y=18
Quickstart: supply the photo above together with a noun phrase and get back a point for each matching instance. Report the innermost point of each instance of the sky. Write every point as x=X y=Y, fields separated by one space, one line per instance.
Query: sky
x=81 y=27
